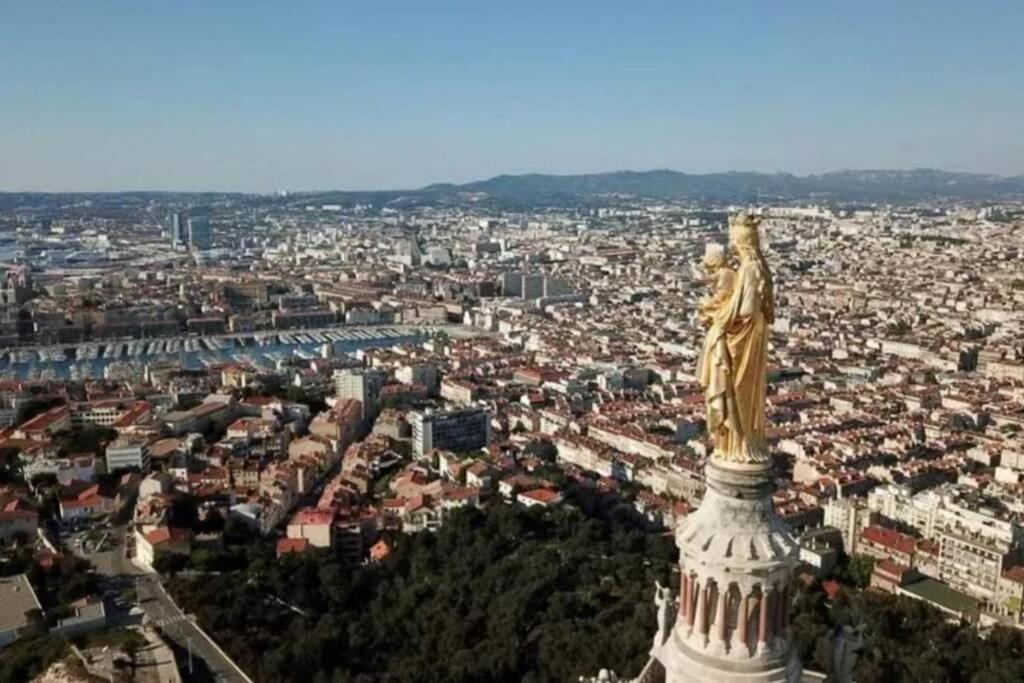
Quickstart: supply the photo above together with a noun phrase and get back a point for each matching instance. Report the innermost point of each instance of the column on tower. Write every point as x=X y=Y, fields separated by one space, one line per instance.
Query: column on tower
x=779 y=611
x=785 y=608
x=741 y=620
x=684 y=599
x=695 y=592
x=702 y=609
x=764 y=622
x=721 y=616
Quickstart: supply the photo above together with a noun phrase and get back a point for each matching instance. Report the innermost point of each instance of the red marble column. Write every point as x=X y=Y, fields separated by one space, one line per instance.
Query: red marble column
x=684 y=598
x=741 y=620
x=691 y=615
x=702 y=610
x=763 y=616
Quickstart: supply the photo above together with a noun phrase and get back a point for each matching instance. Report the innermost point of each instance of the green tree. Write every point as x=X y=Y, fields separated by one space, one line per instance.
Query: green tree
x=859 y=570
x=86 y=439
x=493 y=596
x=11 y=470
x=166 y=562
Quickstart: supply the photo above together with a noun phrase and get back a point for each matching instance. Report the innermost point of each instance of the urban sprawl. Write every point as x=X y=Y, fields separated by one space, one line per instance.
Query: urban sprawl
x=176 y=369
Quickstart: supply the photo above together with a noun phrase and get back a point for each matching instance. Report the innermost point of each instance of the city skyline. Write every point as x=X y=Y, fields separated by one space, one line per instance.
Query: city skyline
x=477 y=342
x=114 y=97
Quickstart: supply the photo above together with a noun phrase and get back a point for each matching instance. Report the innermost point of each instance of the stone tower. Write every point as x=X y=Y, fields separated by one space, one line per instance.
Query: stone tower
x=736 y=560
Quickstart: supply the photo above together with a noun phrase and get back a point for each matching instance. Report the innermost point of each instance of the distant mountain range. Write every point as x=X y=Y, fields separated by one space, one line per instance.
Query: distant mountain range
x=855 y=186
x=540 y=190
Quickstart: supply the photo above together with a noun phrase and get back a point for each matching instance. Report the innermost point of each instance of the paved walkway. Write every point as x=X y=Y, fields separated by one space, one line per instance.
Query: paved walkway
x=161 y=612
x=176 y=626
x=155 y=662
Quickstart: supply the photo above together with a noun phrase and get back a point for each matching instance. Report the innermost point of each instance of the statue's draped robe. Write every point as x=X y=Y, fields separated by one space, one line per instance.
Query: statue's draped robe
x=733 y=368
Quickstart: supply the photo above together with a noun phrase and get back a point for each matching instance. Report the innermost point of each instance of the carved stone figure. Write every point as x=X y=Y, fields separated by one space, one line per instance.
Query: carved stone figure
x=664 y=604
x=733 y=368
x=846 y=647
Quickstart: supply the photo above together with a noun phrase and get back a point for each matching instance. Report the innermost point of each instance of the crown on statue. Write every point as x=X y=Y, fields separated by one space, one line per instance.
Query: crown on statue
x=745 y=219
x=744 y=226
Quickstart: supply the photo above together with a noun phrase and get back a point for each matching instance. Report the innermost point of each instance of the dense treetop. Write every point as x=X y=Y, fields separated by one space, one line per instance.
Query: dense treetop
x=503 y=595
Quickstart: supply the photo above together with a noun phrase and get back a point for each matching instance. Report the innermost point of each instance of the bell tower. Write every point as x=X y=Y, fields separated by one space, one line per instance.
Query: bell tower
x=736 y=560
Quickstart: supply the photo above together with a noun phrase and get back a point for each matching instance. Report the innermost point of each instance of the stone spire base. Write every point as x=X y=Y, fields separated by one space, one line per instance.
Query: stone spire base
x=736 y=560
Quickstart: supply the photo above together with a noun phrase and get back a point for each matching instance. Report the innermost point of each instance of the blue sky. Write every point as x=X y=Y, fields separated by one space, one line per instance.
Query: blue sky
x=258 y=96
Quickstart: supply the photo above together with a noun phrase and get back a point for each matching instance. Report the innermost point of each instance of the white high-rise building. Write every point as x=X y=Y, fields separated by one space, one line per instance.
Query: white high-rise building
x=360 y=384
x=850 y=516
x=177 y=233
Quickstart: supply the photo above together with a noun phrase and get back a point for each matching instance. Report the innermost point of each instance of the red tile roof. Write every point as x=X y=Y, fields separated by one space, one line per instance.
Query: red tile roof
x=168 y=535
x=889 y=538
x=893 y=569
x=1016 y=574
x=313 y=516
x=545 y=496
x=291 y=545
x=44 y=420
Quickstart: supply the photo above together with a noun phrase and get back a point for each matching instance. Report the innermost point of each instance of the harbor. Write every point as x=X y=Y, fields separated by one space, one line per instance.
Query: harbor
x=264 y=349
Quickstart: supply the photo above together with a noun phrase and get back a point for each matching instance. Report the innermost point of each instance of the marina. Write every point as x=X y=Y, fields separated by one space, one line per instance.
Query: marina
x=269 y=349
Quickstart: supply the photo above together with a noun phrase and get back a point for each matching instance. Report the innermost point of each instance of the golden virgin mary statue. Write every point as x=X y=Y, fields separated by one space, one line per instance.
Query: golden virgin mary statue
x=733 y=366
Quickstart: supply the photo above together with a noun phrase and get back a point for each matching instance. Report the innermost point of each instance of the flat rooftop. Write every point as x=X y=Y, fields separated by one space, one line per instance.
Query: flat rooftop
x=942 y=595
x=16 y=598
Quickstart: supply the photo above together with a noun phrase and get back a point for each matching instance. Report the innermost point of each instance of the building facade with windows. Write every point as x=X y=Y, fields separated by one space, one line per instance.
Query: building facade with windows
x=454 y=430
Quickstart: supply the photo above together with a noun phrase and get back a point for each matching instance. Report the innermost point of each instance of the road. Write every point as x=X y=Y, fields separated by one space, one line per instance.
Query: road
x=118 y=574
x=176 y=626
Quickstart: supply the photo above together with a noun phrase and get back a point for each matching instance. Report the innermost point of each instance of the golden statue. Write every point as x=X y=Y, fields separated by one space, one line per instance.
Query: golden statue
x=721 y=278
x=733 y=366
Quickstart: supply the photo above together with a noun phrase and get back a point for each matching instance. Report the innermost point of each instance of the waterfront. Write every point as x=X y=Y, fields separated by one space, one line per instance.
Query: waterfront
x=265 y=349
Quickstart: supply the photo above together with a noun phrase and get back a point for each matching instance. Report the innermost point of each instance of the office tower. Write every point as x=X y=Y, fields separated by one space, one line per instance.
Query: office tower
x=522 y=285
x=555 y=286
x=177 y=236
x=200 y=235
x=360 y=384
x=453 y=430
x=533 y=286
x=512 y=283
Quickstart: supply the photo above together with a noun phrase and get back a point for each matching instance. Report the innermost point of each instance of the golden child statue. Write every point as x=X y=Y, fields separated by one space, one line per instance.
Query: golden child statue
x=718 y=274
x=733 y=367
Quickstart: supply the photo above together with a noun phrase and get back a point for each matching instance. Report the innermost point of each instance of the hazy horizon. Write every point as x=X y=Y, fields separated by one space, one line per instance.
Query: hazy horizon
x=259 y=97
x=314 y=190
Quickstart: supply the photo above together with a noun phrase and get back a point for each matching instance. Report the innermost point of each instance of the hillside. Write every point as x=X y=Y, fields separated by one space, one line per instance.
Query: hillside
x=854 y=186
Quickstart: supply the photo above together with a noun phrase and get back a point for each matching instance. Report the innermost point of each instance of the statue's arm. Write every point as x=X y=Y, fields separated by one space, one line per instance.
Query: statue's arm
x=726 y=279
